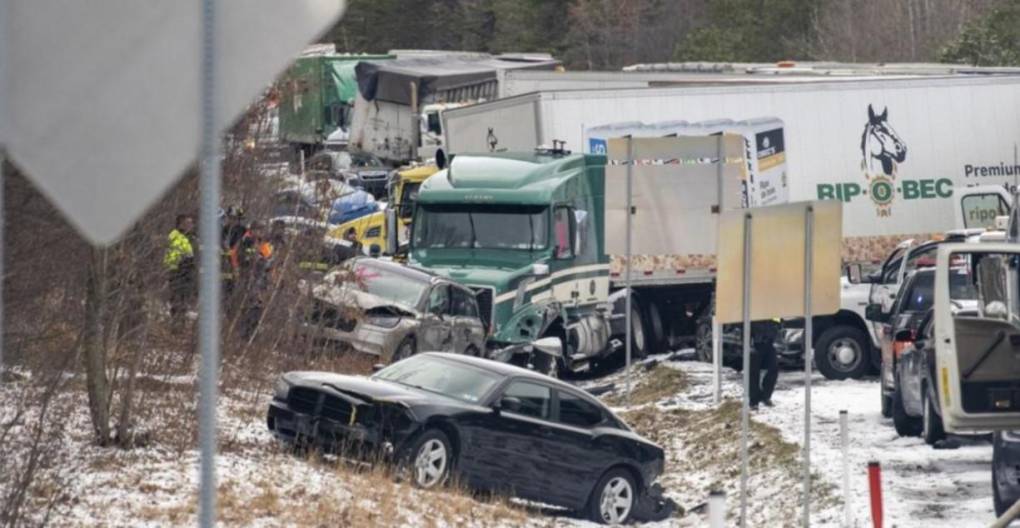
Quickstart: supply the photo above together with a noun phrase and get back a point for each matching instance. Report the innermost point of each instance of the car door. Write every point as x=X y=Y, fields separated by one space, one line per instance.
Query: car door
x=436 y=332
x=468 y=331
x=575 y=453
x=910 y=368
x=506 y=453
x=883 y=288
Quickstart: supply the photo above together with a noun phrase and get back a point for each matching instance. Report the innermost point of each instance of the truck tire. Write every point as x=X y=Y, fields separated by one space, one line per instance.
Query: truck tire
x=703 y=339
x=905 y=424
x=638 y=332
x=843 y=352
x=655 y=329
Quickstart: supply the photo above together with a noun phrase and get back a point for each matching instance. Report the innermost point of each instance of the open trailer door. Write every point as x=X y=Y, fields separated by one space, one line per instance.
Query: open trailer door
x=977 y=367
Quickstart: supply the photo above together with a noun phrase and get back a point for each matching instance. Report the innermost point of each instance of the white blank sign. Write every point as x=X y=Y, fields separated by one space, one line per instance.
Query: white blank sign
x=777 y=261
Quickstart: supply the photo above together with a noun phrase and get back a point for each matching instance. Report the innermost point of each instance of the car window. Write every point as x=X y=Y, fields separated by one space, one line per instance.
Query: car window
x=980 y=210
x=578 y=412
x=464 y=304
x=561 y=229
x=439 y=299
x=920 y=292
x=528 y=399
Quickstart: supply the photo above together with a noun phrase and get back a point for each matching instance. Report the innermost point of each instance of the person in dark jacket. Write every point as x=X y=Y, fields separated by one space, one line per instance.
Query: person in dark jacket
x=763 y=336
x=351 y=249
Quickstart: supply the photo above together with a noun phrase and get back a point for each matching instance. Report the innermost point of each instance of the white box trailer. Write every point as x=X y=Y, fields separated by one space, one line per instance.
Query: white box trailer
x=893 y=150
x=765 y=181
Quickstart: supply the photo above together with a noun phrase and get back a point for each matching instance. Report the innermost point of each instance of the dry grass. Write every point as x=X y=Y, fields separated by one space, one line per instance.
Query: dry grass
x=660 y=383
x=349 y=498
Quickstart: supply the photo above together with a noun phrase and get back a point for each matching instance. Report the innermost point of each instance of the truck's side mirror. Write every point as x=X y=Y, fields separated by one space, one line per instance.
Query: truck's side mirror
x=854 y=274
x=392 y=240
x=440 y=159
x=875 y=314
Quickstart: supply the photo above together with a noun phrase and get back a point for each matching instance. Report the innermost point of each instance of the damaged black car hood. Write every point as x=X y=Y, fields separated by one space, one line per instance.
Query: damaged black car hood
x=361 y=387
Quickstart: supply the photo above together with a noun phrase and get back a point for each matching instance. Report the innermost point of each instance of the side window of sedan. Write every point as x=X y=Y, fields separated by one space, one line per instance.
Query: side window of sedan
x=578 y=412
x=528 y=399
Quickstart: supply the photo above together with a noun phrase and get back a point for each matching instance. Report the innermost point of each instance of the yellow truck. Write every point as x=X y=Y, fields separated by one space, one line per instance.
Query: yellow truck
x=403 y=191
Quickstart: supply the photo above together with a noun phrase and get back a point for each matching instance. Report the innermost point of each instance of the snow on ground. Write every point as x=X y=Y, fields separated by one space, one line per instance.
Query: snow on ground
x=922 y=486
x=261 y=485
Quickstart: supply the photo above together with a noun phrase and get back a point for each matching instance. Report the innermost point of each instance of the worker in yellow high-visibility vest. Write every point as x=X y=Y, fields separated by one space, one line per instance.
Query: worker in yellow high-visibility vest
x=179 y=262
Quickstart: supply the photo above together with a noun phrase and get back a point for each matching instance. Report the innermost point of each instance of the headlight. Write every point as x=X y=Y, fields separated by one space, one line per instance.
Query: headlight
x=281 y=388
x=384 y=321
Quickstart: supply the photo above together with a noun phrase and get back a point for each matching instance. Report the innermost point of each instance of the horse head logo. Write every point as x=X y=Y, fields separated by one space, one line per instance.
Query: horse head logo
x=881 y=144
x=491 y=139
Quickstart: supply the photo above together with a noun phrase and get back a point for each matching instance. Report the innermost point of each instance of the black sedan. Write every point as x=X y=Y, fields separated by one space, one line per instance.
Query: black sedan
x=494 y=426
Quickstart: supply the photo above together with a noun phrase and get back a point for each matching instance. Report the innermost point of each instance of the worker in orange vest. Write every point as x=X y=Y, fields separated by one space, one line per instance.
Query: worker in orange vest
x=254 y=261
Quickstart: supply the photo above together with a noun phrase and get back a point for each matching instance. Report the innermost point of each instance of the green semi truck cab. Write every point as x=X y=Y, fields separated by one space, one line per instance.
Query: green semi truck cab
x=525 y=231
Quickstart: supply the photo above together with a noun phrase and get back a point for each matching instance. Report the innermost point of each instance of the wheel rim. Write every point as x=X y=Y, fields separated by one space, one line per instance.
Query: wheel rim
x=845 y=354
x=636 y=331
x=616 y=501
x=430 y=464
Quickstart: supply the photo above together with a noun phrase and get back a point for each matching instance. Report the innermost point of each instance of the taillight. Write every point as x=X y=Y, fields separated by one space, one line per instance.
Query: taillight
x=898 y=347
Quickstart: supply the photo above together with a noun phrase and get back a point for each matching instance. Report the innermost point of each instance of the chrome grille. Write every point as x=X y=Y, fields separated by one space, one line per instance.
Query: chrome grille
x=303 y=400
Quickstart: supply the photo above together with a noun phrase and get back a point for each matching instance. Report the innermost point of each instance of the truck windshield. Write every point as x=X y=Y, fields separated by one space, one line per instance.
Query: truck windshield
x=481 y=227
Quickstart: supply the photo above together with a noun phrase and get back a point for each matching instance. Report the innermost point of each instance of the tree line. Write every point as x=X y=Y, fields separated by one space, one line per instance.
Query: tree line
x=610 y=34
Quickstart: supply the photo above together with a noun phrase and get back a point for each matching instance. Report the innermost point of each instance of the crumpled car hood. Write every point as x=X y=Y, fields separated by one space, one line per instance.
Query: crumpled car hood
x=345 y=295
x=356 y=386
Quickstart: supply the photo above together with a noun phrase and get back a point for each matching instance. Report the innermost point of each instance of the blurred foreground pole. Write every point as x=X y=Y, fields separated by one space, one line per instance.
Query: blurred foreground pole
x=627 y=345
x=809 y=353
x=209 y=268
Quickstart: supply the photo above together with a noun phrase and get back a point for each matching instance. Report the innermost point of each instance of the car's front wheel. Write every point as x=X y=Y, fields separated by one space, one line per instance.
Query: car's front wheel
x=404 y=350
x=613 y=499
x=431 y=459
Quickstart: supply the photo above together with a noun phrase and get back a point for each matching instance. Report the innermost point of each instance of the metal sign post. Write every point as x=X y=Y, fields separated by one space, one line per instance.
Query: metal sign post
x=745 y=410
x=627 y=345
x=809 y=356
x=772 y=284
x=716 y=361
x=4 y=18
